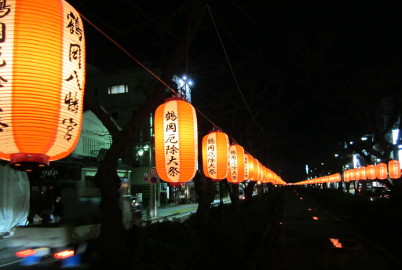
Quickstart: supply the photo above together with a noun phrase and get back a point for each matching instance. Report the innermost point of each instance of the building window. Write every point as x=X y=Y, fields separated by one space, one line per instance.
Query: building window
x=117 y=89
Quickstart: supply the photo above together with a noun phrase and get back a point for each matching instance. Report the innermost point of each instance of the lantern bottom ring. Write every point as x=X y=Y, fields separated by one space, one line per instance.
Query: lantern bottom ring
x=28 y=161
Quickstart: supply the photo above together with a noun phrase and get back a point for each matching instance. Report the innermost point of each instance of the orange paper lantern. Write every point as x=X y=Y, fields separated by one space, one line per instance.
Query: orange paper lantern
x=346 y=176
x=252 y=167
x=176 y=145
x=215 y=153
x=357 y=174
x=42 y=79
x=236 y=164
x=246 y=167
x=363 y=173
x=394 y=169
x=370 y=171
x=381 y=171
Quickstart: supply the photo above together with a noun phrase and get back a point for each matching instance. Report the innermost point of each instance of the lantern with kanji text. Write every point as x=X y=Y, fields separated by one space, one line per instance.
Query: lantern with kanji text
x=236 y=164
x=215 y=153
x=381 y=172
x=42 y=79
x=176 y=144
x=394 y=169
x=370 y=171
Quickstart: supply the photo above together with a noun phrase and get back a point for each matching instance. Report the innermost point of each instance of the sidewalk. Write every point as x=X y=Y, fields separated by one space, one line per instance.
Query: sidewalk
x=179 y=211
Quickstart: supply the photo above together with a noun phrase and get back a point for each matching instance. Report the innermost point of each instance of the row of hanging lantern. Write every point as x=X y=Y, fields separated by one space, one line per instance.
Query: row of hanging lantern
x=42 y=83
x=42 y=78
x=380 y=171
x=176 y=149
x=323 y=179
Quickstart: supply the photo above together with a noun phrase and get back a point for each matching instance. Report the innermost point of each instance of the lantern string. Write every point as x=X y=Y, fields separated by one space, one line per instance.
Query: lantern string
x=233 y=74
x=128 y=53
x=215 y=126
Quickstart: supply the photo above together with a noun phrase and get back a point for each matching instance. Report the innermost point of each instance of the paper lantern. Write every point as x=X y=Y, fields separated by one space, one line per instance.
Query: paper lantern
x=42 y=79
x=252 y=167
x=381 y=171
x=394 y=169
x=215 y=153
x=176 y=145
x=370 y=171
x=352 y=174
x=236 y=164
x=337 y=177
x=363 y=173
x=346 y=176
x=357 y=174
x=246 y=167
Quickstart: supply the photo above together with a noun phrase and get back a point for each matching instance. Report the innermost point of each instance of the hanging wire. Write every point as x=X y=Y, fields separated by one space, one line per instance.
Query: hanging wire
x=214 y=126
x=233 y=74
x=126 y=52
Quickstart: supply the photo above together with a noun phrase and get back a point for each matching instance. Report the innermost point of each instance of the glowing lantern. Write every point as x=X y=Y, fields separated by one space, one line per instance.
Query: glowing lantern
x=246 y=167
x=363 y=173
x=236 y=164
x=394 y=169
x=352 y=174
x=215 y=152
x=357 y=174
x=370 y=171
x=337 y=177
x=381 y=171
x=346 y=176
x=252 y=167
x=176 y=144
x=42 y=66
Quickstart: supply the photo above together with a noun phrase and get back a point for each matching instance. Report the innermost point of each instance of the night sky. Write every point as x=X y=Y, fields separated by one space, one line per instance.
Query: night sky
x=289 y=82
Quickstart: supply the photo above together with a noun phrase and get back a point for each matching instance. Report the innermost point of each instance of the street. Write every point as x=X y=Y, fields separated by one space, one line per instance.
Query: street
x=304 y=235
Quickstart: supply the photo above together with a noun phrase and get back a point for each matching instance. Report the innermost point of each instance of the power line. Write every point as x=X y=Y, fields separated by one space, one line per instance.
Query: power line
x=215 y=126
x=233 y=74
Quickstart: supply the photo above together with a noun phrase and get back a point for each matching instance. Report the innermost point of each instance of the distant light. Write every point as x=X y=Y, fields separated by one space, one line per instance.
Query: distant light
x=395 y=135
x=336 y=242
x=140 y=152
x=315 y=218
x=336 y=155
x=322 y=163
x=184 y=77
x=351 y=142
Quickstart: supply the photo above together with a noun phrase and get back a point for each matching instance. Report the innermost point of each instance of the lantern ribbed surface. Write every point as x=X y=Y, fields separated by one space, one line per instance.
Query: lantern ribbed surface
x=176 y=141
x=215 y=153
x=236 y=164
x=394 y=169
x=370 y=171
x=381 y=172
x=43 y=78
x=363 y=173
x=251 y=167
